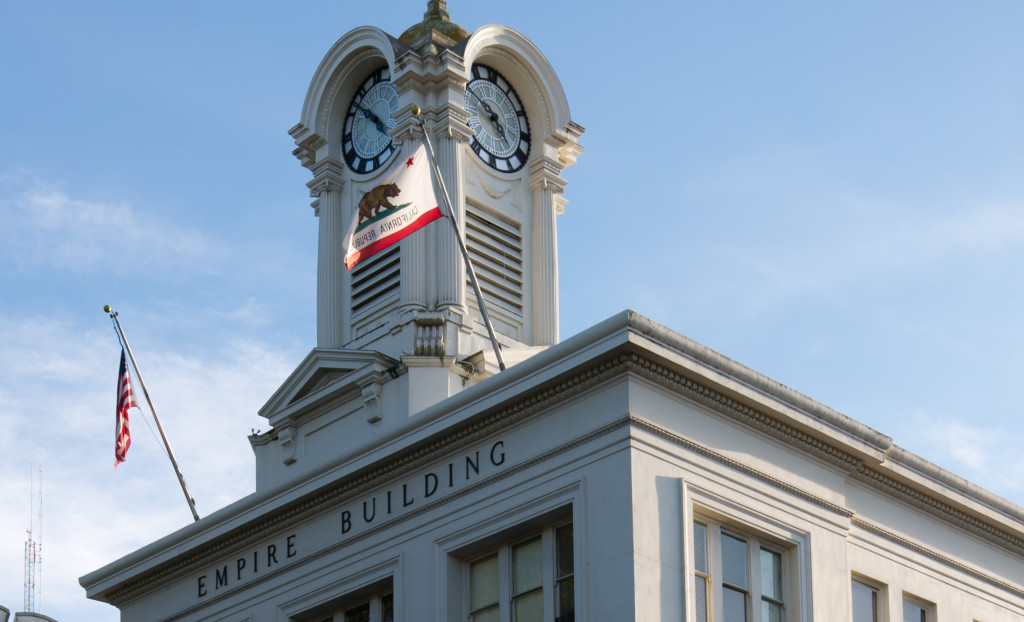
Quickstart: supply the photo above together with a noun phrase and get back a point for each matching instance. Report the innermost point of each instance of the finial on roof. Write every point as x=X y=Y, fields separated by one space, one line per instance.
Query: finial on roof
x=436 y=32
x=437 y=9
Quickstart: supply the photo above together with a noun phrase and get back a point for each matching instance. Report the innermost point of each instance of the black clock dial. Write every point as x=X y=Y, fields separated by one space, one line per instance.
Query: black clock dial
x=366 y=138
x=501 y=133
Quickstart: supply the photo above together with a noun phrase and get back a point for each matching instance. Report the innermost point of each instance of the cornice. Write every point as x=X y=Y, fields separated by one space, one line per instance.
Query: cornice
x=739 y=466
x=935 y=507
x=752 y=417
x=372 y=477
x=825 y=451
x=935 y=556
x=598 y=373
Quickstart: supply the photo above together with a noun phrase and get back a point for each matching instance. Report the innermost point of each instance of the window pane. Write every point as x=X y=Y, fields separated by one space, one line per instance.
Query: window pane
x=358 y=614
x=734 y=561
x=912 y=613
x=566 y=596
x=483 y=582
x=563 y=551
x=734 y=605
x=771 y=574
x=526 y=566
x=529 y=607
x=771 y=612
x=865 y=601
x=700 y=547
x=486 y=615
x=700 y=586
x=387 y=608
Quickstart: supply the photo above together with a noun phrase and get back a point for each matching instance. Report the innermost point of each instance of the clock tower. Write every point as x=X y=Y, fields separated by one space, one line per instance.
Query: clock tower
x=500 y=122
x=407 y=316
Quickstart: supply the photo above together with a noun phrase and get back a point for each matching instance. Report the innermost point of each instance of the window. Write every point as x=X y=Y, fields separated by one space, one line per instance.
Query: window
x=913 y=613
x=377 y=608
x=509 y=584
x=737 y=577
x=915 y=610
x=865 y=602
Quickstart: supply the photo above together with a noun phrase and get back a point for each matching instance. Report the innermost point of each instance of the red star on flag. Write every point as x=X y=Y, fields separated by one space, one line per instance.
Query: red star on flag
x=408 y=162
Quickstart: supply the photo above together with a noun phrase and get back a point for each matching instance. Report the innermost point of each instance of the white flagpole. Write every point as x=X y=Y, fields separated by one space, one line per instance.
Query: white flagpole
x=450 y=213
x=145 y=393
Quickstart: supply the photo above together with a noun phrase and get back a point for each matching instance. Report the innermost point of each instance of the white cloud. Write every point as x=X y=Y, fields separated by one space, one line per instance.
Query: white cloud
x=57 y=391
x=984 y=454
x=46 y=228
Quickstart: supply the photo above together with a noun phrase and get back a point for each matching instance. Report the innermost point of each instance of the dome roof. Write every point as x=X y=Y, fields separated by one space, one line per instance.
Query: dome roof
x=436 y=32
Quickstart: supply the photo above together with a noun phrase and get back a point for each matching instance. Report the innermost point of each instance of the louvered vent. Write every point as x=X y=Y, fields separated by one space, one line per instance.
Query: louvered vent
x=375 y=281
x=496 y=249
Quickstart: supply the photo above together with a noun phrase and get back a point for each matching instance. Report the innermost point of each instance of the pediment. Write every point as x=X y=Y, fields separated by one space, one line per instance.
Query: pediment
x=323 y=373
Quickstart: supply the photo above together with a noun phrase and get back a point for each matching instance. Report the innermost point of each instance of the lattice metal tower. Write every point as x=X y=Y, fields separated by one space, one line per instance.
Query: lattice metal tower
x=34 y=548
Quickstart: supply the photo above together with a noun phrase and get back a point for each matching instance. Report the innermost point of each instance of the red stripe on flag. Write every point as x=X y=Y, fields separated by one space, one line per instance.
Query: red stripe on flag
x=125 y=400
x=427 y=218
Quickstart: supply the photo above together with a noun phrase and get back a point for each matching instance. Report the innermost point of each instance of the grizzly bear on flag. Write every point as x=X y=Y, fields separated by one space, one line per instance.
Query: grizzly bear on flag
x=377 y=199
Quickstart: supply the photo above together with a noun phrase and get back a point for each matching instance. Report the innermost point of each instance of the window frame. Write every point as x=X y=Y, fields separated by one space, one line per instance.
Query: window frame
x=927 y=608
x=479 y=530
x=374 y=603
x=715 y=581
x=880 y=594
x=330 y=594
x=550 y=578
x=766 y=531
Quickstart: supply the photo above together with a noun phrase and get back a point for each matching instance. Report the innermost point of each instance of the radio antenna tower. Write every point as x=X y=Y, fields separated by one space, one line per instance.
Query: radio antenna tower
x=34 y=548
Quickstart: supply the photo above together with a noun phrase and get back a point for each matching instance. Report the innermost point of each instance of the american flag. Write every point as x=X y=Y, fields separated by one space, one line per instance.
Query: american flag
x=125 y=400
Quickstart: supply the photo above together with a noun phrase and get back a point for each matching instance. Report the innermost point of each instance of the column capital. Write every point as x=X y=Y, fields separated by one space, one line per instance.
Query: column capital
x=448 y=121
x=546 y=174
x=328 y=175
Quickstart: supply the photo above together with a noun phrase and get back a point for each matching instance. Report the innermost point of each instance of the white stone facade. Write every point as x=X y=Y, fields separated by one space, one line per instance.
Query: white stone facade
x=627 y=473
x=631 y=433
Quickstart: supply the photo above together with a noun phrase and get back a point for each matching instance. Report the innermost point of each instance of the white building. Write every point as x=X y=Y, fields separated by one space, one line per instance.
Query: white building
x=626 y=473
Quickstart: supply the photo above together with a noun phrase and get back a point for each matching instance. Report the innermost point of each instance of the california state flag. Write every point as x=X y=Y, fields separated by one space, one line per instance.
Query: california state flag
x=402 y=203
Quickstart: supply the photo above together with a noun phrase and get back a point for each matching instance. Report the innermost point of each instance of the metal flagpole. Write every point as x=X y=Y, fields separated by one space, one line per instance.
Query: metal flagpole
x=142 y=383
x=462 y=243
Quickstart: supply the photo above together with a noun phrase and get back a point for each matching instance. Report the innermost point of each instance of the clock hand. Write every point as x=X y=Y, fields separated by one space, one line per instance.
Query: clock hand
x=490 y=113
x=369 y=114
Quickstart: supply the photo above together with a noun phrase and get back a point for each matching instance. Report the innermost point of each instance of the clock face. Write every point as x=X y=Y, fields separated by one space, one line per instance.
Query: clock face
x=366 y=139
x=501 y=134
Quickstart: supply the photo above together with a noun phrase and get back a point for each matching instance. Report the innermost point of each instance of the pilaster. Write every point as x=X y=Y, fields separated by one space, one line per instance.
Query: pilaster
x=331 y=277
x=547 y=185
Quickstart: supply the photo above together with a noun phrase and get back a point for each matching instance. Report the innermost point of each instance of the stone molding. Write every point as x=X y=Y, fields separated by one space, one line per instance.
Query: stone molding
x=853 y=465
x=535 y=86
x=371 y=393
x=287 y=436
x=937 y=508
x=739 y=466
x=938 y=557
x=429 y=337
x=754 y=418
x=328 y=176
x=326 y=105
x=545 y=173
x=599 y=373
x=370 y=478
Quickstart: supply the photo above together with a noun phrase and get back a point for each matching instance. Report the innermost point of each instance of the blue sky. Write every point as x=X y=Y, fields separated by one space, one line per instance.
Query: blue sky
x=829 y=194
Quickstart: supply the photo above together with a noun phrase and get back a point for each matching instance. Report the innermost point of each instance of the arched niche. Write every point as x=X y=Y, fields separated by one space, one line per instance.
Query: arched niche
x=342 y=70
